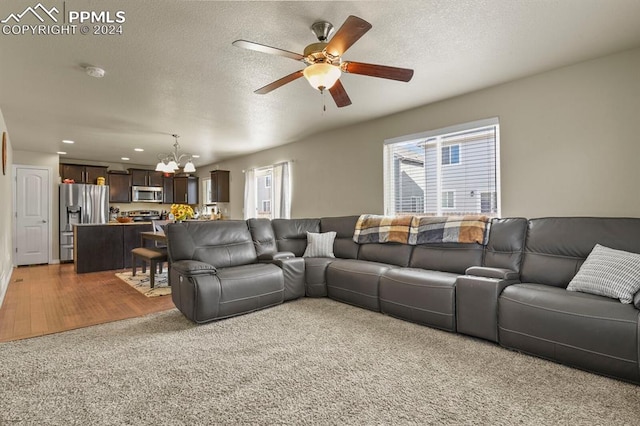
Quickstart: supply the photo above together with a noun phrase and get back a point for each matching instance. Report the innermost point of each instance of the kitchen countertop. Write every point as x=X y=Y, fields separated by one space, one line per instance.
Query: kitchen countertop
x=112 y=223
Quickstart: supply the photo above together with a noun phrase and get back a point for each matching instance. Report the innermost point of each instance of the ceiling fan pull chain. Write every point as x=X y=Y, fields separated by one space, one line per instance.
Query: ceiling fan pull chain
x=324 y=103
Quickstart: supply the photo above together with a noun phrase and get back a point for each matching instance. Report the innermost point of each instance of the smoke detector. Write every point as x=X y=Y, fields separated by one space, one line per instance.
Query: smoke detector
x=94 y=72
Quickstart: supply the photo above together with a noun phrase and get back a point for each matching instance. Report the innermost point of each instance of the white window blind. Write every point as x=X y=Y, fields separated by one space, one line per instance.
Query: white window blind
x=451 y=171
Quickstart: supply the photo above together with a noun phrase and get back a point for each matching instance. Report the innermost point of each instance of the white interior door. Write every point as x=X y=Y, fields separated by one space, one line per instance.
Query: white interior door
x=32 y=216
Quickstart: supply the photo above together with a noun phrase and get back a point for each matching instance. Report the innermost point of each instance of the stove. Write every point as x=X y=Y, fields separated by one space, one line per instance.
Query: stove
x=144 y=215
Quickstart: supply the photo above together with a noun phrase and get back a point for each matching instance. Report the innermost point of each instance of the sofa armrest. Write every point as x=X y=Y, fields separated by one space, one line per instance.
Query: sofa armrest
x=275 y=256
x=498 y=273
x=636 y=300
x=477 y=304
x=190 y=268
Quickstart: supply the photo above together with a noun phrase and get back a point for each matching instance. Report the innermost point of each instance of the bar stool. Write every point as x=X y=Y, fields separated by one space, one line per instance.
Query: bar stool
x=155 y=257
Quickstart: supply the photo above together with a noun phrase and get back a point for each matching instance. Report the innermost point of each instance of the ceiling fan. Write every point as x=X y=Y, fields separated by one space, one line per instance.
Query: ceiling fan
x=324 y=60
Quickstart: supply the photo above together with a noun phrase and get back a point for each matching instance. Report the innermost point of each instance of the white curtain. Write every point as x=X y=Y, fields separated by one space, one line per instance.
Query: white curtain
x=281 y=206
x=250 y=208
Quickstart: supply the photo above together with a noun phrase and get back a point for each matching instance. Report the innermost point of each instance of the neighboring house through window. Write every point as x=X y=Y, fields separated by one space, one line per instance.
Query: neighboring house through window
x=268 y=192
x=450 y=171
x=263 y=186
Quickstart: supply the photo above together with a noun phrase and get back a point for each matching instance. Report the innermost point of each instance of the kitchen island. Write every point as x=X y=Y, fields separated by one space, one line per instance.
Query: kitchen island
x=103 y=247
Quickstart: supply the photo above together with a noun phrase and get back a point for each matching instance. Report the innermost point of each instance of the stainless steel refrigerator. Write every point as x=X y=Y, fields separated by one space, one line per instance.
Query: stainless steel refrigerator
x=80 y=203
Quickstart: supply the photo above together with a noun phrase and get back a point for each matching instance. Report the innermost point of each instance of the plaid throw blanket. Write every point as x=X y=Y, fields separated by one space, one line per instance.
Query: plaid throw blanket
x=452 y=229
x=384 y=229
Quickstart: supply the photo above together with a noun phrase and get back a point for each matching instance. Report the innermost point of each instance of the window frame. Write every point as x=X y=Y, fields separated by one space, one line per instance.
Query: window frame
x=449 y=146
x=453 y=199
x=441 y=134
x=206 y=191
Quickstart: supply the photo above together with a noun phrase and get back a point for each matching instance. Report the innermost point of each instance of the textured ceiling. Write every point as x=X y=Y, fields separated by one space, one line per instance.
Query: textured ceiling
x=174 y=70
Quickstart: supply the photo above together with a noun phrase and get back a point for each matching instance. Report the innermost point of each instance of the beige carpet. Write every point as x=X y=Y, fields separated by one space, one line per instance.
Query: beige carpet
x=311 y=361
x=141 y=282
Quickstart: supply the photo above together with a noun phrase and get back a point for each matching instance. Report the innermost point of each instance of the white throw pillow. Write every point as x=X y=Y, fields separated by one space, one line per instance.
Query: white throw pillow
x=609 y=272
x=320 y=245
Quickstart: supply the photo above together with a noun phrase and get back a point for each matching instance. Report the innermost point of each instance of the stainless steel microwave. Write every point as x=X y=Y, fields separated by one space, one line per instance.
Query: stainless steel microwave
x=146 y=194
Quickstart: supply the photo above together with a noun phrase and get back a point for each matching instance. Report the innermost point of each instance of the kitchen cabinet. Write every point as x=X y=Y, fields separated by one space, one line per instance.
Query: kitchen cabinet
x=220 y=186
x=119 y=188
x=140 y=177
x=81 y=173
x=91 y=242
x=185 y=189
x=167 y=190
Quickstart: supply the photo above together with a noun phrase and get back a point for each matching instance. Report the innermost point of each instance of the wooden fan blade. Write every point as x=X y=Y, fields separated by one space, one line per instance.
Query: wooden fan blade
x=340 y=95
x=278 y=83
x=382 y=71
x=267 y=49
x=352 y=29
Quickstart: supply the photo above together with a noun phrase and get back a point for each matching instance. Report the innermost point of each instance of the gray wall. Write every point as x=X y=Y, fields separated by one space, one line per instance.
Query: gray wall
x=6 y=221
x=569 y=146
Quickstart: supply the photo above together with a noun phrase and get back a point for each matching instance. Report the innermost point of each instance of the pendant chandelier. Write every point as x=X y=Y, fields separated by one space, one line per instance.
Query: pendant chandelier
x=171 y=162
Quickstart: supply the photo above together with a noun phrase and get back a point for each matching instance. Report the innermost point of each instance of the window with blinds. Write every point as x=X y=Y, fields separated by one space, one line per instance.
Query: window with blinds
x=446 y=172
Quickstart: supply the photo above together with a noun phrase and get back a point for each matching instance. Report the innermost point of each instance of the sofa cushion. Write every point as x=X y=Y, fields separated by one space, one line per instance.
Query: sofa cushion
x=608 y=272
x=584 y=330
x=221 y=243
x=315 y=275
x=343 y=247
x=556 y=247
x=264 y=239
x=247 y=288
x=291 y=234
x=394 y=254
x=320 y=245
x=355 y=282
x=446 y=257
x=417 y=295
x=506 y=243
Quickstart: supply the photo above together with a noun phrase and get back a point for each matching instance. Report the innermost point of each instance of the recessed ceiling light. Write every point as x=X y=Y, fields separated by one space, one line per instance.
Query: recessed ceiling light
x=125 y=158
x=138 y=149
x=67 y=141
x=195 y=156
x=61 y=152
x=94 y=72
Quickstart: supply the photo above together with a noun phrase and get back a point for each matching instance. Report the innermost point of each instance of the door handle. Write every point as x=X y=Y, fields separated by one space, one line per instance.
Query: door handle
x=44 y=221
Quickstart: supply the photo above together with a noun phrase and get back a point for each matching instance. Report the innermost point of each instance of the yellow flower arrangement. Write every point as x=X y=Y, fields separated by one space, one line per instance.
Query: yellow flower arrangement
x=181 y=211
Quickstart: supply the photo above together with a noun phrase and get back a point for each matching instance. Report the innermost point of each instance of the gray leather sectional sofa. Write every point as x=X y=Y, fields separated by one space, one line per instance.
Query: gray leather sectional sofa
x=511 y=291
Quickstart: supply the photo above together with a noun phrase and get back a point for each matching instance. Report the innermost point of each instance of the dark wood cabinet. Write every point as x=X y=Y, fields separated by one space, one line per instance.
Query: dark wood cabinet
x=141 y=177
x=155 y=178
x=81 y=173
x=220 y=186
x=119 y=188
x=92 y=242
x=167 y=190
x=131 y=239
x=185 y=189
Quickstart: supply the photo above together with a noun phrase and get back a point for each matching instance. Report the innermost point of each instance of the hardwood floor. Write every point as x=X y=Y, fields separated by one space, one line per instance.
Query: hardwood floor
x=52 y=298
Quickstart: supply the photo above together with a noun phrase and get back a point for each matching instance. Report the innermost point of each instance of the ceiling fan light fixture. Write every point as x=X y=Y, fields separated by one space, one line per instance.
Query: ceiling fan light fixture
x=322 y=76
